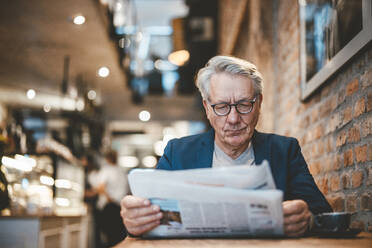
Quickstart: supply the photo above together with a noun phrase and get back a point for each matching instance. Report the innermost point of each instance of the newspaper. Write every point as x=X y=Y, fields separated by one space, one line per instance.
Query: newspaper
x=239 y=201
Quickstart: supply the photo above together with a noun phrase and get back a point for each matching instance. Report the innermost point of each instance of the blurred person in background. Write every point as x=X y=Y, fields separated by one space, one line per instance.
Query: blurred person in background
x=91 y=169
x=112 y=187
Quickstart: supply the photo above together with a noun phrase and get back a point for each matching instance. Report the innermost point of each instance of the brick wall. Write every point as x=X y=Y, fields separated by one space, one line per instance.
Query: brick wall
x=334 y=126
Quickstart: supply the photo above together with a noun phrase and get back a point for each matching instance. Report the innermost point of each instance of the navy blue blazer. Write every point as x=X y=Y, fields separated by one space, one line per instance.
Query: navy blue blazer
x=288 y=166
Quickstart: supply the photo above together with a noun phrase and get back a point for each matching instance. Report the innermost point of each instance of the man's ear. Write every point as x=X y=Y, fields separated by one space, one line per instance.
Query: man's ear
x=260 y=99
x=205 y=105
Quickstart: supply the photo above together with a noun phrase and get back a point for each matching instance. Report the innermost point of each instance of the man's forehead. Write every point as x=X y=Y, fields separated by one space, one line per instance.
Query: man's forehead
x=224 y=84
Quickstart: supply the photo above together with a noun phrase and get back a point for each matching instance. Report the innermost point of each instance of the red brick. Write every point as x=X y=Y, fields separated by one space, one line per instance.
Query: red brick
x=314 y=168
x=335 y=183
x=324 y=186
x=348 y=157
x=318 y=131
x=369 y=102
x=351 y=203
x=359 y=107
x=341 y=97
x=352 y=87
x=333 y=123
x=304 y=123
x=353 y=134
x=366 y=127
x=369 y=153
x=325 y=109
x=366 y=201
x=366 y=79
x=321 y=147
x=330 y=147
x=341 y=139
x=315 y=115
x=333 y=102
x=345 y=181
x=337 y=203
x=361 y=153
x=369 y=181
x=329 y=163
x=357 y=179
x=314 y=150
x=347 y=116
x=338 y=162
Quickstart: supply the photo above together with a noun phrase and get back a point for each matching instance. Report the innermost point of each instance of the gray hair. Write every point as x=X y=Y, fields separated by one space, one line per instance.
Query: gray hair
x=230 y=65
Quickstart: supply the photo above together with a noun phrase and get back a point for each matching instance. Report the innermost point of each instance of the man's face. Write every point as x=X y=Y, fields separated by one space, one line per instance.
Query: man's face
x=234 y=130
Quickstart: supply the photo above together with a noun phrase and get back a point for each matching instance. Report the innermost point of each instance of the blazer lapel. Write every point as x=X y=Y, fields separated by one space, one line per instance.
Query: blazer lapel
x=205 y=151
x=260 y=151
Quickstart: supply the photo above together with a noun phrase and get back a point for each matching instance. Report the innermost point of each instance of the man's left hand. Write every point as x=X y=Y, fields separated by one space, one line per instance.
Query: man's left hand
x=296 y=217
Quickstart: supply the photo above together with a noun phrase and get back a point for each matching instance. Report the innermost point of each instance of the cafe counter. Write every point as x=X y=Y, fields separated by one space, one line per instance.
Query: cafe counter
x=44 y=231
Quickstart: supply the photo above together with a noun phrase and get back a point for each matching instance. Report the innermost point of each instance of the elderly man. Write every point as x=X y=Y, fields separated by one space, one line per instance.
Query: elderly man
x=232 y=96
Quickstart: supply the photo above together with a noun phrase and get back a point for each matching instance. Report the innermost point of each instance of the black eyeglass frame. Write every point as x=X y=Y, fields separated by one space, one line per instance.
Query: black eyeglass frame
x=253 y=101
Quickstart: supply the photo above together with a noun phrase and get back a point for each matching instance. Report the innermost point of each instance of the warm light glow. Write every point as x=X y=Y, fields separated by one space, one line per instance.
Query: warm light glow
x=92 y=95
x=63 y=202
x=144 y=115
x=16 y=164
x=80 y=105
x=47 y=180
x=103 y=71
x=68 y=104
x=63 y=183
x=47 y=108
x=31 y=94
x=79 y=20
x=179 y=58
x=29 y=161
x=149 y=161
x=128 y=161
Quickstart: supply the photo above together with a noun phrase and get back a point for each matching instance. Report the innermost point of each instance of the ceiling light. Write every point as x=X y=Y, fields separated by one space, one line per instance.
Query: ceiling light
x=79 y=20
x=179 y=58
x=31 y=94
x=92 y=95
x=144 y=115
x=47 y=107
x=103 y=71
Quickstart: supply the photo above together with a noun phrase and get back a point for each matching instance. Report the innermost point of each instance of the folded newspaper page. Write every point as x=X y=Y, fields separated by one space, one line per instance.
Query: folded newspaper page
x=238 y=201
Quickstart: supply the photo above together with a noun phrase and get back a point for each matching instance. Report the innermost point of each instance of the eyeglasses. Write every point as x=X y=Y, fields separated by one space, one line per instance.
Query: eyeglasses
x=242 y=107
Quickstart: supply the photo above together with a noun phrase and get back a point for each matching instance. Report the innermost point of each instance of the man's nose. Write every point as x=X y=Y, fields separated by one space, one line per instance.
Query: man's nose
x=233 y=116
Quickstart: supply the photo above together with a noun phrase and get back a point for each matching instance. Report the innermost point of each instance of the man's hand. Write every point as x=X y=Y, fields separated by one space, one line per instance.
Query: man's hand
x=296 y=217
x=138 y=215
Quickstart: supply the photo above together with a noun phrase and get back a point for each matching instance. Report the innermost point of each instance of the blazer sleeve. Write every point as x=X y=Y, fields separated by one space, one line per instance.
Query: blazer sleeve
x=300 y=183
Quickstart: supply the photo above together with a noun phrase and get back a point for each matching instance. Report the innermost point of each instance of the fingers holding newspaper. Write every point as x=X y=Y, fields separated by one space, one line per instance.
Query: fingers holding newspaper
x=138 y=215
x=296 y=217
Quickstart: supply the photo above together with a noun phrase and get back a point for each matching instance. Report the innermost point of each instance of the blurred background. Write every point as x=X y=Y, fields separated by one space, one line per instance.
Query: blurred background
x=81 y=78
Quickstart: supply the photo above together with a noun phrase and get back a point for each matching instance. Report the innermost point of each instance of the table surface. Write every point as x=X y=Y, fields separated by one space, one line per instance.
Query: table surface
x=361 y=240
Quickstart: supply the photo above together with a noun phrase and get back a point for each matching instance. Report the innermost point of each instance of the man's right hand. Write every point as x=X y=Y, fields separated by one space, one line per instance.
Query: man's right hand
x=138 y=215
